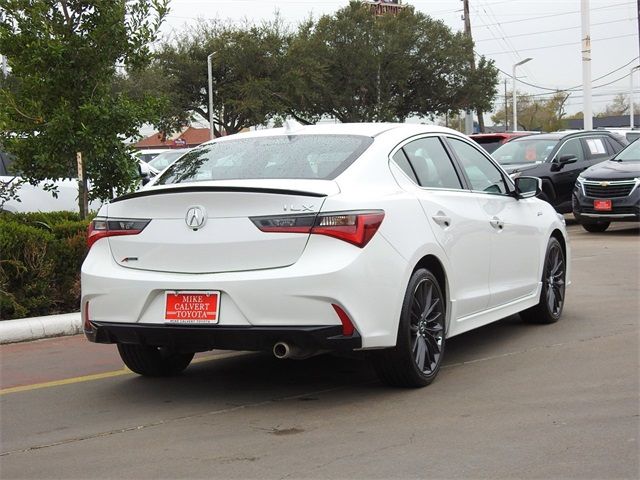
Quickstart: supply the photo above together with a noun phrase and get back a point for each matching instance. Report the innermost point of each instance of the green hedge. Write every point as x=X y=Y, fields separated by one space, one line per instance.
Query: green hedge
x=40 y=259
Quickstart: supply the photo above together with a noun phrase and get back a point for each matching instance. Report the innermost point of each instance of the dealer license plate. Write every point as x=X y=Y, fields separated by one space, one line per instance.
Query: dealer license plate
x=602 y=205
x=192 y=307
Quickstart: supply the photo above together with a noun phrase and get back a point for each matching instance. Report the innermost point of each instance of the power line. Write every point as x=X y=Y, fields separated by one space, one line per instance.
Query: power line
x=577 y=87
x=556 y=30
x=544 y=47
x=560 y=14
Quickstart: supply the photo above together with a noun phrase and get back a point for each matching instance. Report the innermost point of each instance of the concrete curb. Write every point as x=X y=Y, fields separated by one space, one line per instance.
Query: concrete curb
x=27 y=329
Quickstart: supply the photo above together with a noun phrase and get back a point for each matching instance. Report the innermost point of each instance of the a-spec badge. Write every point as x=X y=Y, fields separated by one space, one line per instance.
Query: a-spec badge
x=196 y=217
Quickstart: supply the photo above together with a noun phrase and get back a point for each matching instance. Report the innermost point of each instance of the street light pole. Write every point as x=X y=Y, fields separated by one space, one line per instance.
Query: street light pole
x=210 y=75
x=515 y=108
x=631 y=119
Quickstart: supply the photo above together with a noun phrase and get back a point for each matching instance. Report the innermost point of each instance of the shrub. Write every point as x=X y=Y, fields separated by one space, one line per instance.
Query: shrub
x=40 y=259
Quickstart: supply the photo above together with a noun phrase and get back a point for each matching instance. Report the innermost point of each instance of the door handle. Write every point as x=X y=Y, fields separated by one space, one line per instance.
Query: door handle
x=496 y=223
x=441 y=219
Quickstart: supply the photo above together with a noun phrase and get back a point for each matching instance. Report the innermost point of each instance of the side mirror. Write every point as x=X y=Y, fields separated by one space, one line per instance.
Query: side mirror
x=562 y=160
x=528 y=187
x=145 y=172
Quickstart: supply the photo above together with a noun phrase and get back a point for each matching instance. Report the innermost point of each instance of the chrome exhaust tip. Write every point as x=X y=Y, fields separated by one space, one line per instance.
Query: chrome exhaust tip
x=281 y=350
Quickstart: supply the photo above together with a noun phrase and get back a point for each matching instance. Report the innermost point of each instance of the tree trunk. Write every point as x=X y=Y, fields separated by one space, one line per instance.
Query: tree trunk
x=480 y=120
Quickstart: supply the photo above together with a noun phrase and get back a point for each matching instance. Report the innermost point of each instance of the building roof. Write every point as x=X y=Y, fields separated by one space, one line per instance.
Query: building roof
x=190 y=137
x=611 y=121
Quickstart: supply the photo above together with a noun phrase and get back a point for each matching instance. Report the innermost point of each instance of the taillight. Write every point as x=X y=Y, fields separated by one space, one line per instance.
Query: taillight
x=102 y=227
x=357 y=228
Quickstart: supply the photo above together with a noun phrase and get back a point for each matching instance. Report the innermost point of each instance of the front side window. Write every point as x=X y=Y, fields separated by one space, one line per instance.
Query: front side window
x=483 y=175
x=276 y=157
x=572 y=147
x=432 y=164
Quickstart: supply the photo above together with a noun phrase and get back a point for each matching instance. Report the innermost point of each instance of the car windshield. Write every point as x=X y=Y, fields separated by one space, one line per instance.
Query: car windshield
x=630 y=154
x=277 y=157
x=165 y=159
x=529 y=150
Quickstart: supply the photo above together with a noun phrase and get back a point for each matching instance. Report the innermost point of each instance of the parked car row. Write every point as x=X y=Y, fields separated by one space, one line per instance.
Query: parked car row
x=589 y=173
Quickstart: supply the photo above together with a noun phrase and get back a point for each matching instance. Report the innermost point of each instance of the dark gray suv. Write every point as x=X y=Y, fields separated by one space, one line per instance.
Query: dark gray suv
x=558 y=158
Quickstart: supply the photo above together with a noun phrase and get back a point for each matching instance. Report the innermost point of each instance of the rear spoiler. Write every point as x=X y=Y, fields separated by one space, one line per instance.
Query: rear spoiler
x=208 y=188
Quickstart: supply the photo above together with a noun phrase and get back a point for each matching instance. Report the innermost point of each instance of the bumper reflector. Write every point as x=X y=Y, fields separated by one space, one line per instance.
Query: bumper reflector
x=347 y=325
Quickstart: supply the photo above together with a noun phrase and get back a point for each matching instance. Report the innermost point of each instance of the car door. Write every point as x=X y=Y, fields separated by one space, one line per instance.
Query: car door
x=564 y=176
x=510 y=223
x=455 y=219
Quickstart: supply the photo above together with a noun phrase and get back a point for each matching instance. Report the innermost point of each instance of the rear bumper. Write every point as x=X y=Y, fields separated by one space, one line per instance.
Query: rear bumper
x=195 y=338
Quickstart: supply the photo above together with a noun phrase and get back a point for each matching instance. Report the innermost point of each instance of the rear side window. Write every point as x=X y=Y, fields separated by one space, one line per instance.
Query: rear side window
x=401 y=160
x=432 y=164
x=278 y=157
x=597 y=148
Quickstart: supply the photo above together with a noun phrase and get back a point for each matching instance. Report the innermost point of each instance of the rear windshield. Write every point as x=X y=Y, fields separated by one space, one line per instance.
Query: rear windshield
x=489 y=143
x=529 y=150
x=283 y=156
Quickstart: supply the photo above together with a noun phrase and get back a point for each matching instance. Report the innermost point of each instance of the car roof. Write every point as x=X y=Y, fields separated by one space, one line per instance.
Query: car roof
x=366 y=129
x=502 y=134
x=563 y=134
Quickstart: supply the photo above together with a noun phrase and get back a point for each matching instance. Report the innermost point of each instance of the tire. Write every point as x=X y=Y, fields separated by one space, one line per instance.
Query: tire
x=153 y=361
x=596 y=227
x=415 y=360
x=549 y=308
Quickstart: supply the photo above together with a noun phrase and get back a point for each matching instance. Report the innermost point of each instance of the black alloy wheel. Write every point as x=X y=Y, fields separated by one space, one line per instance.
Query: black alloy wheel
x=427 y=326
x=549 y=309
x=417 y=356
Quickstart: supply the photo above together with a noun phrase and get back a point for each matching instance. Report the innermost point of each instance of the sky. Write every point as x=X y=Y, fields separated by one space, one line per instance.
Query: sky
x=505 y=31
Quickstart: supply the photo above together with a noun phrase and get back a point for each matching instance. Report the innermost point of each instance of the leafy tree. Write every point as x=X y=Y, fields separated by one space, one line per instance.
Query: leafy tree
x=350 y=65
x=62 y=97
x=546 y=115
x=360 y=67
x=246 y=68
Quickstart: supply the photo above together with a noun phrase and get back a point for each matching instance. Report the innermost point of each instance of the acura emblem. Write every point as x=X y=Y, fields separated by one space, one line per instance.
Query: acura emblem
x=195 y=217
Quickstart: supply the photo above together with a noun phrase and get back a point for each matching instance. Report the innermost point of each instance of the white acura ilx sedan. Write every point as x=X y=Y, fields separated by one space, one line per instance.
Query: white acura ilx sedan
x=388 y=238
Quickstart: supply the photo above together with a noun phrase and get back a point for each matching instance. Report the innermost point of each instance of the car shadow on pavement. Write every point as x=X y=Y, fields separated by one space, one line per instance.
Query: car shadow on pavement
x=255 y=377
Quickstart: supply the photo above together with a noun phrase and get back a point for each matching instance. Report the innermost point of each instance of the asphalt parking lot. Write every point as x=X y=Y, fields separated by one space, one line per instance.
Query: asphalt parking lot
x=512 y=401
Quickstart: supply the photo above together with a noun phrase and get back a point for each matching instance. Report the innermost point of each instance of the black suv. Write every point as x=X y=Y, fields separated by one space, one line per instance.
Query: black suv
x=558 y=158
x=609 y=192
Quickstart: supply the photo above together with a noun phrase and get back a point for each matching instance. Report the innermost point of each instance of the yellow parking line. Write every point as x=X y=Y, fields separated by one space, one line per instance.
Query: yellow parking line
x=98 y=376
x=66 y=381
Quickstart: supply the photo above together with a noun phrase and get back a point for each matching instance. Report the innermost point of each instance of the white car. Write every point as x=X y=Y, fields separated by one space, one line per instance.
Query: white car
x=387 y=238
x=35 y=198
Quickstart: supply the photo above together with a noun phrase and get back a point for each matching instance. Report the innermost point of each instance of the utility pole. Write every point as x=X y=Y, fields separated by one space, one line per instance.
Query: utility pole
x=467 y=32
x=586 y=66
x=506 y=106
x=210 y=82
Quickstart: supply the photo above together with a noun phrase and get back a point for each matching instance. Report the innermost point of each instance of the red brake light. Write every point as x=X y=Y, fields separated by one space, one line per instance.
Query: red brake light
x=357 y=228
x=102 y=227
